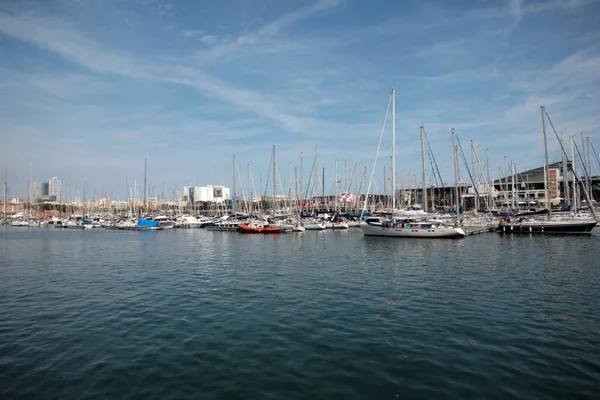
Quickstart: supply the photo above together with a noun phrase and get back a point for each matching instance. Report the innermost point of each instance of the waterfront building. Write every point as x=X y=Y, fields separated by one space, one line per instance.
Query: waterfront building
x=39 y=191
x=54 y=187
x=210 y=193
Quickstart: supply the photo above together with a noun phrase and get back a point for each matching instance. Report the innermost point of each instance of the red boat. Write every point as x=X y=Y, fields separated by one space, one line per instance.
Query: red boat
x=257 y=228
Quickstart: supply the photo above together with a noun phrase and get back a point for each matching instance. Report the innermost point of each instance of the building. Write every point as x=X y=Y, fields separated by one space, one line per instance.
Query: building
x=39 y=191
x=528 y=187
x=210 y=193
x=54 y=187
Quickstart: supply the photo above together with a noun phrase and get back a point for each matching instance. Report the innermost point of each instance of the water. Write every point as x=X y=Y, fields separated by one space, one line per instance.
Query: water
x=198 y=314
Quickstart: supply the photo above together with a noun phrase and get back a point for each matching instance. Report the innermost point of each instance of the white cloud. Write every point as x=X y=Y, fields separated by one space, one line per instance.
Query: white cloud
x=267 y=30
x=194 y=33
x=208 y=39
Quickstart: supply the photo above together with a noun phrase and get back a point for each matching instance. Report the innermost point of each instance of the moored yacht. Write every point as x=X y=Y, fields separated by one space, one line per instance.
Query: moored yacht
x=547 y=225
x=416 y=228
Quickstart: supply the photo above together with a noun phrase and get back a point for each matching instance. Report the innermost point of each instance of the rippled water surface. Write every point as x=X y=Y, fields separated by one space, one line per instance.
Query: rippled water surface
x=198 y=314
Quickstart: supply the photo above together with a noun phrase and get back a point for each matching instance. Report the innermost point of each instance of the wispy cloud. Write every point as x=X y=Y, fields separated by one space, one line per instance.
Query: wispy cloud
x=57 y=37
x=230 y=45
x=202 y=83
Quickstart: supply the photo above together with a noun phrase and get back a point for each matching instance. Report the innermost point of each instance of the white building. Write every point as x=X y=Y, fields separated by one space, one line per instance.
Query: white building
x=212 y=193
x=54 y=187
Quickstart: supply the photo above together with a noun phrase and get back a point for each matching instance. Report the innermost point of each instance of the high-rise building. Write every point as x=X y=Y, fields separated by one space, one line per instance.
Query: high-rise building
x=39 y=190
x=54 y=188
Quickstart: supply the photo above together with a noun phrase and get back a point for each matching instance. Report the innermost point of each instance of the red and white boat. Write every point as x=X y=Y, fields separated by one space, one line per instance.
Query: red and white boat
x=258 y=228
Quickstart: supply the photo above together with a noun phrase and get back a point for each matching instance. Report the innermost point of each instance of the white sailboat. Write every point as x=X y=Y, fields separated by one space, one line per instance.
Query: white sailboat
x=411 y=227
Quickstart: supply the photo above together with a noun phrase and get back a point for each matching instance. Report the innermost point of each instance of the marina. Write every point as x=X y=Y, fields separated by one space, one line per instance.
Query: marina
x=316 y=199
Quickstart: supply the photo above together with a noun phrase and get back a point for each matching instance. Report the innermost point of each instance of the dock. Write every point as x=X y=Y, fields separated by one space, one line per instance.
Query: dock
x=477 y=230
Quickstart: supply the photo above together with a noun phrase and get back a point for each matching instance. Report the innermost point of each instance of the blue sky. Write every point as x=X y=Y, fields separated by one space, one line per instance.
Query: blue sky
x=89 y=89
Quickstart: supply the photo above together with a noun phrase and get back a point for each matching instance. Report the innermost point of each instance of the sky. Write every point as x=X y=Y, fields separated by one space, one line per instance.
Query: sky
x=90 y=89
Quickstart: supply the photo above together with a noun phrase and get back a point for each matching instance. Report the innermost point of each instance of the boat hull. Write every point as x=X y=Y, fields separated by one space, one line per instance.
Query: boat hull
x=249 y=229
x=412 y=232
x=314 y=227
x=547 y=227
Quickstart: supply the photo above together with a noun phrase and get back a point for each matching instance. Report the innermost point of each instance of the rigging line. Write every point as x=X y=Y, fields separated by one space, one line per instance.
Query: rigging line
x=268 y=176
x=435 y=177
x=577 y=178
x=595 y=152
x=563 y=148
x=377 y=155
x=462 y=155
x=431 y=157
x=310 y=176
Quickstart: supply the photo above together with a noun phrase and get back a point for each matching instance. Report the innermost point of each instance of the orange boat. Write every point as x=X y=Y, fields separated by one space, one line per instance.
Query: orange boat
x=257 y=228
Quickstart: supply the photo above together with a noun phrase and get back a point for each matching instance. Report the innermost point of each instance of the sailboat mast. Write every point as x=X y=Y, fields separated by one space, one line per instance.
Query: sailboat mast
x=575 y=172
x=565 y=167
x=301 y=188
x=424 y=195
x=490 y=183
x=393 y=151
x=589 y=168
x=30 y=186
x=145 y=171
x=454 y=150
x=233 y=196
x=249 y=193
x=512 y=177
x=274 y=177
x=335 y=187
x=546 y=176
x=5 y=192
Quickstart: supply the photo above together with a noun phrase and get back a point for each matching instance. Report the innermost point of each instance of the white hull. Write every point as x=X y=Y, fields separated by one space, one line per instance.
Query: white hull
x=337 y=225
x=396 y=231
x=314 y=227
x=19 y=223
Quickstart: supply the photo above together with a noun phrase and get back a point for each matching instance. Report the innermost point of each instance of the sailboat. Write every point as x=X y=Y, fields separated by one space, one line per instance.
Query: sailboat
x=550 y=223
x=412 y=227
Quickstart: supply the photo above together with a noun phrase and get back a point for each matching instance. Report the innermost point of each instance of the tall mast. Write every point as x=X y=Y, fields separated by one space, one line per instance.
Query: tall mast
x=274 y=177
x=233 y=195
x=424 y=195
x=5 y=192
x=490 y=182
x=454 y=150
x=393 y=151
x=546 y=186
x=356 y=186
x=145 y=170
x=30 y=185
x=512 y=177
x=316 y=174
x=575 y=172
x=565 y=167
x=335 y=187
x=301 y=189
x=589 y=170
x=249 y=192
x=323 y=187
x=475 y=177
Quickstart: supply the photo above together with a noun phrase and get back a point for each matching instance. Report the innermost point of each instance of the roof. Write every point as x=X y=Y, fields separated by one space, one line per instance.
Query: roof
x=535 y=175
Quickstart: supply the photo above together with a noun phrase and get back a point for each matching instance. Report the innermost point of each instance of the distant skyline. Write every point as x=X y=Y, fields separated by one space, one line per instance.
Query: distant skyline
x=89 y=89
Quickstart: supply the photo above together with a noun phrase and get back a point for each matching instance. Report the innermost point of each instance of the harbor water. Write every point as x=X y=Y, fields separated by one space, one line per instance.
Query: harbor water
x=194 y=314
